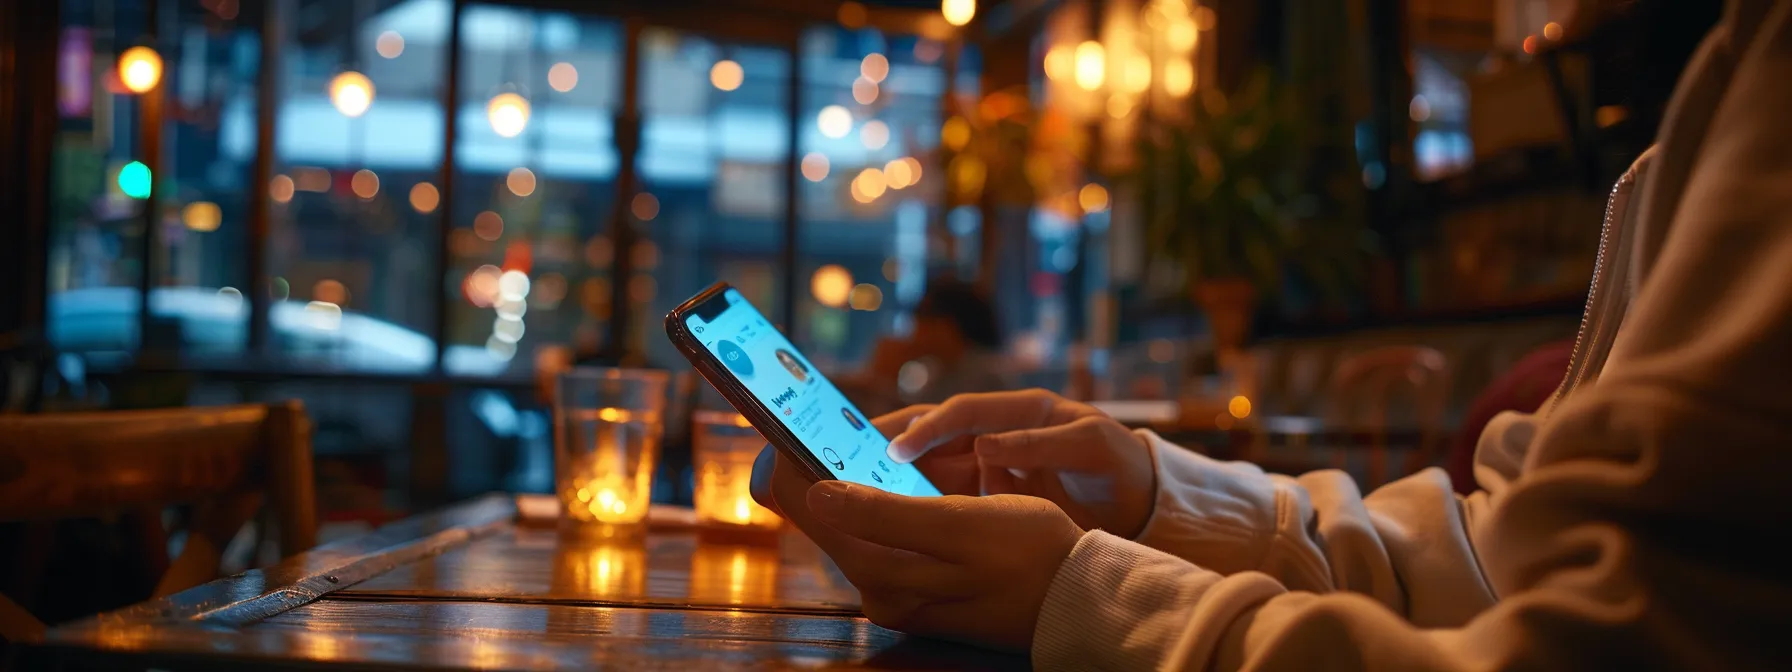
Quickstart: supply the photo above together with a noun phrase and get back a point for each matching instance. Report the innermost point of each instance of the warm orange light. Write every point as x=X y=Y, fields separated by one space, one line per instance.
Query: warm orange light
x=815 y=166
x=202 y=216
x=1093 y=197
x=968 y=173
x=831 y=285
x=851 y=15
x=1181 y=35
x=875 y=67
x=425 y=198
x=866 y=297
x=1091 y=65
x=280 y=189
x=330 y=291
x=1530 y=44
x=312 y=179
x=726 y=75
x=955 y=134
x=1138 y=73
x=520 y=181
x=140 y=69
x=898 y=174
x=958 y=12
x=1119 y=106
x=1239 y=407
x=1552 y=31
x=874 y=135
x=508 y=113
x=488 y=225
x=1059 y=63
x=872 y=183
x=365 y=183
x=352 y=93
x=1179 y=78
x=864 y=91
x=1204 y=18
x=389 y=44
x=645 y=206
x=563 y=76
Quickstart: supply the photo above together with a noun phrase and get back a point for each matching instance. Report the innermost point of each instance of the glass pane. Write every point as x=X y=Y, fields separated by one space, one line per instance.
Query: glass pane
x=714 y=150
x=358 y=140
x=535 y=167
x=207 y=83
x=870 y=125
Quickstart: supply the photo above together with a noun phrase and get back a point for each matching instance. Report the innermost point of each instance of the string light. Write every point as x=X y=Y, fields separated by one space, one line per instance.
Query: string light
x=390 y=44
x=834 y=121
x=875 y=67
x=563 y=76
x=815 y=166
x=1091 y=65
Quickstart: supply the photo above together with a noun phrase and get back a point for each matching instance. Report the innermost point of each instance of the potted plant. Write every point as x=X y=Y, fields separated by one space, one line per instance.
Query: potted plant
x=1222 y=193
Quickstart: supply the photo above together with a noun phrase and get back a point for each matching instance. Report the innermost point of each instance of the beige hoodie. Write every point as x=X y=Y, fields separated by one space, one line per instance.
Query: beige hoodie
x=1638 y=521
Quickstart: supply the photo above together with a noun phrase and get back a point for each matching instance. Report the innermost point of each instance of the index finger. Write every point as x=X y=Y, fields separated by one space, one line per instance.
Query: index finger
x=983 y=413
x=892 y=424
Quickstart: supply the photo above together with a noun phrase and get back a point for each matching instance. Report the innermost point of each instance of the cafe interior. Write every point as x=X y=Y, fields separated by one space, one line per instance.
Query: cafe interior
x=334 y=331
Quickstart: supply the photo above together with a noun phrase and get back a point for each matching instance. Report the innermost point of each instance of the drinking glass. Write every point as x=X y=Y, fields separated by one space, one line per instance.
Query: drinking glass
x=724 y=448
x=607 y=432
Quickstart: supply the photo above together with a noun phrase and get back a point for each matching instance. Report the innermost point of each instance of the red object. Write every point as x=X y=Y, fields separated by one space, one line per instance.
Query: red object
x=1523 y=388
x=519 y=256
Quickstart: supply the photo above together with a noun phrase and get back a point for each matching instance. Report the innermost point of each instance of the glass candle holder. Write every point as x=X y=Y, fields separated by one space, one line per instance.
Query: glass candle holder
x=606 y=441
x=724 y=446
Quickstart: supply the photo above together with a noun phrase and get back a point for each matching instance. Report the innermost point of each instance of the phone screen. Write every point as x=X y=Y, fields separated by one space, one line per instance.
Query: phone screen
x=792 y=390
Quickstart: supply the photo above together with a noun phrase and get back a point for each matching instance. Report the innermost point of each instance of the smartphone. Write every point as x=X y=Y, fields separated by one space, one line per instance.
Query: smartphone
x=792 y=405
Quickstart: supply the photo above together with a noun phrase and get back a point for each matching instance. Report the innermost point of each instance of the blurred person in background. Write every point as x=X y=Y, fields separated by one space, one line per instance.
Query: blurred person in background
x=955 y=348
x=1630 y=523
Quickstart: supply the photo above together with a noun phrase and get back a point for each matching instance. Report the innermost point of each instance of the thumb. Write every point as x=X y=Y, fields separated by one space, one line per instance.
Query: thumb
x=923 y=525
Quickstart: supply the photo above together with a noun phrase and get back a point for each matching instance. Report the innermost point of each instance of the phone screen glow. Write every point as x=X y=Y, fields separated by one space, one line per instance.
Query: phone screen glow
x=794 y=392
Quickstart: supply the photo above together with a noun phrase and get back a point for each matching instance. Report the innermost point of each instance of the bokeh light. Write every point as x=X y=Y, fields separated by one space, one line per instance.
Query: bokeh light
x=365 y=183
x=645 y=206
x=864 y=91
x=389 y=44
x=1179 y=78
x=831 y=285
x=1091 y=65
x=563 y=76
x=281 y=188
x=874 y=135
x=139 y=69
x=875 y=67
x=1093 y=197
x=520 y=181
x=872 y=183
x=958 y=12
x=726 y=75
x=834 y=121
x=898 y=174
x=815 y=166
x=488 y=225
x=425 y=198
x=866 y=296
x=352 y=93
x=1240 y=407
x=1059 y=63
x=135 y=180
x=330 y=291
x=955 y=134
x=202 y=216
x=508 y=113
x=513 y=285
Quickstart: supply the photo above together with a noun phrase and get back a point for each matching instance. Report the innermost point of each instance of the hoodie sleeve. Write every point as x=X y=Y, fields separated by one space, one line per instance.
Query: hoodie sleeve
x=1643 y=532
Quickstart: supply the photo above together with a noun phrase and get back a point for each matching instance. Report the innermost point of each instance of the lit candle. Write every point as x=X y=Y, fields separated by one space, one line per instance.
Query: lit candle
x=726 y=447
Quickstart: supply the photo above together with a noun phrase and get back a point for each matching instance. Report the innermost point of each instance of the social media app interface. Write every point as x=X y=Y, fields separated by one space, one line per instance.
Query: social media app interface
x=815 y=411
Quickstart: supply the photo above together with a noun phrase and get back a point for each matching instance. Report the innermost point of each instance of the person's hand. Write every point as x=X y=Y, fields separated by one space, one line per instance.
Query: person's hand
x=969 y=569
x=1037 y=443
x=950 y=466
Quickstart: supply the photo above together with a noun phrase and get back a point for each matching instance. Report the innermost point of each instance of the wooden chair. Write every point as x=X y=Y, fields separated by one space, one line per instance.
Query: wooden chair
x=1361 y=393
x=221 y=460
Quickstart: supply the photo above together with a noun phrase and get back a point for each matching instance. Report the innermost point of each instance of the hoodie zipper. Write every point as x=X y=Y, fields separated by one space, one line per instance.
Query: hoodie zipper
x=1591 y=321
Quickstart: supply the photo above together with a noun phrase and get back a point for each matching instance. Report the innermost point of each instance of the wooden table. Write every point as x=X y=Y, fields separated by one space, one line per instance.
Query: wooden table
x=476 y=586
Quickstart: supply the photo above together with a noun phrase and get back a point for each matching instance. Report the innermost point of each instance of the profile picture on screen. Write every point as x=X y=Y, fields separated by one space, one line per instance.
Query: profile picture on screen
x=852 y=419
x=796 y=367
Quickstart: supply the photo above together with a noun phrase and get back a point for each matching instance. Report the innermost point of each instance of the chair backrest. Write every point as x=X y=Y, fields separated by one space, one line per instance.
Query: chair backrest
x=225 y=461
x=1365 y=386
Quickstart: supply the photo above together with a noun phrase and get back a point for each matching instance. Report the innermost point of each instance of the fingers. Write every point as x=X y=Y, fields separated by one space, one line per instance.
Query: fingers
x=761 y=483
x=1086 y=444
x=939 y=527
x=894 y=423
x=983 y=413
